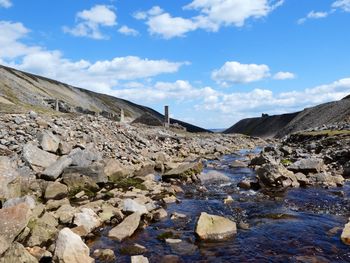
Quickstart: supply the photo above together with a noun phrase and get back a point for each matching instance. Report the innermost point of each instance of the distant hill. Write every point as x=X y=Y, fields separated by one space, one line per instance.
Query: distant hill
x=281 y=125
x=21 y=91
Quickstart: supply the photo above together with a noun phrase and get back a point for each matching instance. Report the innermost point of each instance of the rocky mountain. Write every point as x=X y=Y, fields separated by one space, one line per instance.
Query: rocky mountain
x=281 y=125
x=21 y=92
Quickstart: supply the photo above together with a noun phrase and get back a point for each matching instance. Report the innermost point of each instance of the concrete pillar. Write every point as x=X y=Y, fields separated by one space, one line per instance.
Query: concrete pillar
x=122 y=116
x=166 y=117
x=57 y=107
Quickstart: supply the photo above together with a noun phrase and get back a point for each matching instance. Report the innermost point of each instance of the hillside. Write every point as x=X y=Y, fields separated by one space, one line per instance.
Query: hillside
x=281 y=125
x=21 y=91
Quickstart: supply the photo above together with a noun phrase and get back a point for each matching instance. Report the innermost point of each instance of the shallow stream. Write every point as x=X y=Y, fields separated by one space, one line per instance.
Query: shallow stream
x=298 y=225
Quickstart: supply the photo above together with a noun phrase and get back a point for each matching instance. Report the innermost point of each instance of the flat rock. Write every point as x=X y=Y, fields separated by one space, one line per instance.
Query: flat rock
x=184 y=171
x=71 y=249
x=37 y=158
x=132 y=206
x=126 y=228
x=309 y=165
x=48 y=141
x=56 y=169
x=12 y=221
x=56 y=190
x=212 y=227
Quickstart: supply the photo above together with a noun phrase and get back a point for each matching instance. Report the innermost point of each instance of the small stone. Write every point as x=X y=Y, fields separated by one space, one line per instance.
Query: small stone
x=139 y=259
x=160 y=214
x=176 y=215
x=228 y=200
x=345 y=235
x=170 y=199
x=106 y=255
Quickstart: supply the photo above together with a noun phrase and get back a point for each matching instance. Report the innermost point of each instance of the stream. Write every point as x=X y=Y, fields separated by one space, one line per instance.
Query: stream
x=297 y=225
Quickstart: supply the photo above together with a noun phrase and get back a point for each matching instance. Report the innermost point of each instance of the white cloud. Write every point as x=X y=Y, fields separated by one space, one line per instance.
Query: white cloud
x=128 y=31
x=5 y=3
x=233 y=72
x=284 y=75
x=313 y=15
x=342 y=4
x=91 y=21
x=98 y=76
x=213 y=14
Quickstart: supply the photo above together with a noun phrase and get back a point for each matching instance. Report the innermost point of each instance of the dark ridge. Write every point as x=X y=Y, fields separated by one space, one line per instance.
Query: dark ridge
x=347 y=97
x=266 y=126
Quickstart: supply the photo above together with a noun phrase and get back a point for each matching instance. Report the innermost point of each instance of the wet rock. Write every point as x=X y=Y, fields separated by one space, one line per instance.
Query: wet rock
x=170 y=199
x=171 y=259
x=71 y=249
x=305 y=166
x=213 y=177
x=175 y=216
x=302 y=179
x=48 y=141
x=228 y=200
x=17 y=254
x=159 y=214
x=108 y=212
x=126 y=228
x=212 y=227
x=56 y=190
x=88 y=219
x=37 y=158
x=345 y=235
x=12 y=221
x=106 y=255
x=274 y=175
x=133 y=250
x=132 y=206
x=181 y=247
x=20 y=200
x=56 y=169
x=139 y=259
x=42 y=230
x=184 y=171
x=9 y=179
x=238 y=164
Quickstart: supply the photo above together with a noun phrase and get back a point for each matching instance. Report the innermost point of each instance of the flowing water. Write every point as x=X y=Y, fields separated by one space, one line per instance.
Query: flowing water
x=298 y=225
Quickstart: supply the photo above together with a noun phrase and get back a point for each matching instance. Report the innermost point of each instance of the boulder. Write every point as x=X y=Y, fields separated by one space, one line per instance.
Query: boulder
x=345 y=235
x=115 y=171
x=20 y=200
x=9 y=179
x=48 y=141
x=275 y=175
x=42 y=230
x=94 y=172
x=212 y=227
x=88 y=219
x=56 y=169
x=71 y=249
x=132 y=206
x=56 y=190
x=65 y=214
x=84 y=158
x=309 y=165
x=126 y=228
x=17 y=254
x=184 y=171
x=213 y=177
x=77 y=182
x=37 y=158
x=12 y=221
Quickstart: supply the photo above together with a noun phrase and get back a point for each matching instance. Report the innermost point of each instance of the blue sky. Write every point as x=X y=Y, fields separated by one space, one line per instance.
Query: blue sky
x=213 y=61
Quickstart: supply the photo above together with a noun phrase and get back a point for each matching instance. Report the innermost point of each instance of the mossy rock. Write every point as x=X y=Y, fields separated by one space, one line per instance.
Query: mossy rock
x=126 y=183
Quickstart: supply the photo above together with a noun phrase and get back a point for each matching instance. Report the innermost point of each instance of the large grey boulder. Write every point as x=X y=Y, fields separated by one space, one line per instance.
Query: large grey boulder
x=126 y=228
x=37 y=158
x=212 y=227
x=213 y=177
x=56 y=169
x=84 y=158
x=116 y=171
x=94 y=172
x=48 y=141
x=184 y=171
x=71 y=249
x=12 y=221
x=132 y=206
x=9 y=180
x=276 y=175
x=309 y=165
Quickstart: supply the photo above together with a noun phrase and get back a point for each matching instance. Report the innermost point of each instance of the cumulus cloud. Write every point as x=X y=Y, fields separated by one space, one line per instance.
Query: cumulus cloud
x=97 y=76
x=5 y=3
x=125 y=30
x=233 y=72
x=89 y=22
x=284 y=75
x=342 y=4
x=212 y=14
x=313 y=15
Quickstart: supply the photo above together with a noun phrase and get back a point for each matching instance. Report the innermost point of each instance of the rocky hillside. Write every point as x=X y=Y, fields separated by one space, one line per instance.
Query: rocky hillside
x=21 y=92
x=281 y=125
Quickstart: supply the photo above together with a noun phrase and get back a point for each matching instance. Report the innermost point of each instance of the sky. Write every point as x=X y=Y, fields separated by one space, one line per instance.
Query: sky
x=213 y=62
